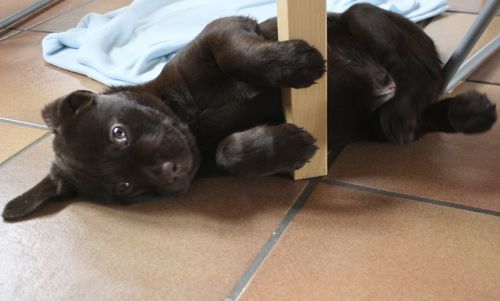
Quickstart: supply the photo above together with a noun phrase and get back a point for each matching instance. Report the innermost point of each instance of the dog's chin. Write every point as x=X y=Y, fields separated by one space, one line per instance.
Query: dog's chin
x=180 y=187
x=174 y=192
x=180 y=192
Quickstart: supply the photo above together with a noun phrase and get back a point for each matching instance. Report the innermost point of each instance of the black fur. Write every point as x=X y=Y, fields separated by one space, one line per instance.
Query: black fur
x=217 y=104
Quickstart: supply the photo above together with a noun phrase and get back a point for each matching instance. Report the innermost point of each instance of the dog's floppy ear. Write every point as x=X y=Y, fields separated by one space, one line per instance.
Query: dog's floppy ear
x=66 y=107
x=46 y=190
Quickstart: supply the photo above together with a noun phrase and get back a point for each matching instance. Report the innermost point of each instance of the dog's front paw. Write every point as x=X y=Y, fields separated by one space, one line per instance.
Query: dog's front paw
x=472 y=113
x=299 y=65
x=265 y=150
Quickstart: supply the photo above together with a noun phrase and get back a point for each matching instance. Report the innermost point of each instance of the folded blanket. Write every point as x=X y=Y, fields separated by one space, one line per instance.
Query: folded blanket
x=131 y=45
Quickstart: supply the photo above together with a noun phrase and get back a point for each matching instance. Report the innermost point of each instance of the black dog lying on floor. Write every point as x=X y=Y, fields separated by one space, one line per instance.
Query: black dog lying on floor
x=218 y=104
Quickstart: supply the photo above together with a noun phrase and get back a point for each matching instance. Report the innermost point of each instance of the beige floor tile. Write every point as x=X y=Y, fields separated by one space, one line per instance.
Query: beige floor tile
x=71 y=18
x=489 y=72
x=15 y=138
x=349 y=245
x=9 y=7
x=448 y=30
x=467 y=6
x=32 y=83
x=9 y=34
x=456 y=168
x=492 y=91
x=191 y=248
x=58 y=8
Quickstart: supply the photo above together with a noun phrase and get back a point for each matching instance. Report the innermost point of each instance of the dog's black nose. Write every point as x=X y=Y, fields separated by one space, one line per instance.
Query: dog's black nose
x=171 y=171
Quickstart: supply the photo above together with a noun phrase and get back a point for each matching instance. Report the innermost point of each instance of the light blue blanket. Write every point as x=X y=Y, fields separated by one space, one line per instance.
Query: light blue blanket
x=131 y=45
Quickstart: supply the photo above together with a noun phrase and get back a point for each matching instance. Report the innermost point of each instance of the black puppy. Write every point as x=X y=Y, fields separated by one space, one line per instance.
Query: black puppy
x=218 y=104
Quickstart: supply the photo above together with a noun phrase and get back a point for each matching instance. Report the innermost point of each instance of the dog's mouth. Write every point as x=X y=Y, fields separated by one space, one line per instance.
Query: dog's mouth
x=175 y=176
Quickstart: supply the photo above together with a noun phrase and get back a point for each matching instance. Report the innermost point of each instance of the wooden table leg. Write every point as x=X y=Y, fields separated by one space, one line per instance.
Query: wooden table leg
x=307 y=108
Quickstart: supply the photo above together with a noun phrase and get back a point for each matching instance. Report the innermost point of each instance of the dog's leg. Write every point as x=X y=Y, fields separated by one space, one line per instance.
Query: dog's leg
x=386 y=35
x=216 y=124
x=466 y=113
x=395 y=121
x=242 y=52
x=265 y=150
x=410 y=58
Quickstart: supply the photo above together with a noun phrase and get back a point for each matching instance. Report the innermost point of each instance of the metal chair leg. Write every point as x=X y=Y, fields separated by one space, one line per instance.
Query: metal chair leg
x=473 y=63
x=471 y=37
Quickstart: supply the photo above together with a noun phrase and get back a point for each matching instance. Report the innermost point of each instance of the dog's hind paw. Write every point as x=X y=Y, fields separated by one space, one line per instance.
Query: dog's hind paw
x=472 y=113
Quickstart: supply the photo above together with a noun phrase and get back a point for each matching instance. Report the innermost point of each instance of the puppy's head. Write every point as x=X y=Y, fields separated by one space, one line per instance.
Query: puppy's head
x=112 y=147
x=360 y=77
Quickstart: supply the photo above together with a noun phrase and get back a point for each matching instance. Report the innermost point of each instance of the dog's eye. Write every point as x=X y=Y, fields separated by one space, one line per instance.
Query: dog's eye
x=119 y=135
x=123 y=188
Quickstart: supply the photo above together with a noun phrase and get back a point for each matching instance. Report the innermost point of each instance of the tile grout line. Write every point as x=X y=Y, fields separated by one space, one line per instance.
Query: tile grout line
x=7 y=36
x=473 y=81
x=50 y=18
x=23 y=123
x=248 y=275
x=24 y=150
x=408 y=197
x=59 y=15
x=30 y=30
x=39 y=31
x=452 y=11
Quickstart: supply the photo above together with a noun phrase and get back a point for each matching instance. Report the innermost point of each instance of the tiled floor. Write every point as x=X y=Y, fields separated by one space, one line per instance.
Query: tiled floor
x=419 y=222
